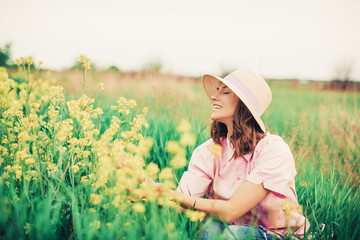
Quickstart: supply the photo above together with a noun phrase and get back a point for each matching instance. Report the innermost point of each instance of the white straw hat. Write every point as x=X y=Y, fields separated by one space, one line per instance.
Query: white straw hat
x=250 y=87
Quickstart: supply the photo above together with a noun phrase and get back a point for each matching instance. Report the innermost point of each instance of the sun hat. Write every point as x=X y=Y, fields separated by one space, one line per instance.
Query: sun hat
x=250 y=87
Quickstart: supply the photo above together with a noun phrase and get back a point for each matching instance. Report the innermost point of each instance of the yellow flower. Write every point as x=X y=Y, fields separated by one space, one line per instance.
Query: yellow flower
x=187 y=139
x=95 y=199
x=166 y=174
x=18 y=171
x=174 y=147
x=51 y=167
x=290 y=207
x=195 y=216
x=96 y=225
x=74 y=141
x=170 y=227
x=139 y=207
x=178 y=161
x=30 y=161
x=215 y=149
x=85 y=62
x=132 y=103
x=101 y=86
x=98 y=111
x=17 y=62
x=75 y=168
x=169 y=184
x=145 y=110
x=152 y=169
x=29 y=60
x=84 y=179
x=184 y=126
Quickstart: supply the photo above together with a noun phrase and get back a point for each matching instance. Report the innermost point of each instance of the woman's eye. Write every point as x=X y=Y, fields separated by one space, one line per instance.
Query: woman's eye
x=226 y=92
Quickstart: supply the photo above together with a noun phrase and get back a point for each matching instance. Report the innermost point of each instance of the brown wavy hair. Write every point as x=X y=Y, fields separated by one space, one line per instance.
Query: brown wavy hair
x=246 y=131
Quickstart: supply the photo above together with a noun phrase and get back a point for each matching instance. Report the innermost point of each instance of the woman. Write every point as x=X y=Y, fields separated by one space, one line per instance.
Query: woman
x=252 y=181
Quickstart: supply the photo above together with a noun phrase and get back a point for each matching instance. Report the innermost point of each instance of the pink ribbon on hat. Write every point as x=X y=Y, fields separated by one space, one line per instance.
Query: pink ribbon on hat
x=249 y=95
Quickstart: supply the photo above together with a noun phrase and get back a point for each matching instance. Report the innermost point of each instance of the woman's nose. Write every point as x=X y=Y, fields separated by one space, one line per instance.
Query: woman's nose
x=214 y=97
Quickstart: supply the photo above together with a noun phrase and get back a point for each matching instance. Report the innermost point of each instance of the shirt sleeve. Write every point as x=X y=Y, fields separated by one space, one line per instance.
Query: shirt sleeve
x=197 y=179
x=274 y=167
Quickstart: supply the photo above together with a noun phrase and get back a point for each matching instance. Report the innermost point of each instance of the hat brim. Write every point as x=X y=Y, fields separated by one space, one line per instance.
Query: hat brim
x=211 y=83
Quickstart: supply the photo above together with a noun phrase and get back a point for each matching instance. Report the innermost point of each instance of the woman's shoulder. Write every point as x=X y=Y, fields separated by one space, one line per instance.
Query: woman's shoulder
x=202 y=155
x=272 y=141
x=204 y=147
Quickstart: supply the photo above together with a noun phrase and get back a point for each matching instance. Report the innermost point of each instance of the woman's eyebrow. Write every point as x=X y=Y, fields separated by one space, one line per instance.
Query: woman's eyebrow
x=223 y=87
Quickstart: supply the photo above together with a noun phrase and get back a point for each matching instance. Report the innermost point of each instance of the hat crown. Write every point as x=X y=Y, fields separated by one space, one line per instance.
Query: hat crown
x=252 y=86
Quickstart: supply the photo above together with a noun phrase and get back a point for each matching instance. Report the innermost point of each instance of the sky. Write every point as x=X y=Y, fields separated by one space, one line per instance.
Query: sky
x=307 y=39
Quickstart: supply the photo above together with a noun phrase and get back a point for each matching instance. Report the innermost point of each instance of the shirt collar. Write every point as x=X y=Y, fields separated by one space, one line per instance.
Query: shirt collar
x=228 y=151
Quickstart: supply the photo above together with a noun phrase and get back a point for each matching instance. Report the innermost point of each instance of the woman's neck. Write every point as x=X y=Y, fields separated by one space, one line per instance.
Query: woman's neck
x=229 y=127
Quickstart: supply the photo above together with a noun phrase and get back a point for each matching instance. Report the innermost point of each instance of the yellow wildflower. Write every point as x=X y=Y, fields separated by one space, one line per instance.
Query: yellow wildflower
x=74 y=141
x=170 y=227
x=215 y=149
x=18 y=171
x=75 y=168
x=95 y=199
x=29 y=60
x=85 y=62
x=169 y=184
x=17 y=62
x=51 y=167
x=187 y=139
x=166 y=174
x=195 y=216
x=139 y=207
x=184 y=126
x=96 y=225
x=30 y=161
x=152 y=169
x=178 y=161
x=132 y=103
x=101 y=86
x=84 y=179
x=174 y=147
x=145 y=110
x=98 y=111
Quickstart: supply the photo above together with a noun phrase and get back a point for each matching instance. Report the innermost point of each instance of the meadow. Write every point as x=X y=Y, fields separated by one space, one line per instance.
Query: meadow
x=71 y=164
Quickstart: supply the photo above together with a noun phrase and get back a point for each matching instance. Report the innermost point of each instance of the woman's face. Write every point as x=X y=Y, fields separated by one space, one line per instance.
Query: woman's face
x=224 y=104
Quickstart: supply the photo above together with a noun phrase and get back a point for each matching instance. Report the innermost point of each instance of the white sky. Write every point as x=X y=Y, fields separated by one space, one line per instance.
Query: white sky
x=305 y=39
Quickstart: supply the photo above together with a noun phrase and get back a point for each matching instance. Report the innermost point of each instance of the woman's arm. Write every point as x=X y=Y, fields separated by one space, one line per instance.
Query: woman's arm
x=247 y=196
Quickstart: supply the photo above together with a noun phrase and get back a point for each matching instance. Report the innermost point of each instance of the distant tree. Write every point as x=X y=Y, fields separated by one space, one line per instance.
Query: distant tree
x=5 y=55
x=342 y=79
x=114 y=68
x=344 y=71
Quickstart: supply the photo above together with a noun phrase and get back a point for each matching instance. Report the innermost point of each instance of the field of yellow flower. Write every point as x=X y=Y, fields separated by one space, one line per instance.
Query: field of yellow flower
x=62 y=161
x=79 y=167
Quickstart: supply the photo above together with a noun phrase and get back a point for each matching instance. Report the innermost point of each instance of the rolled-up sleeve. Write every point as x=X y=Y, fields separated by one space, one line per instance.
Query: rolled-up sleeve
x=200 y=174
x=274 y=167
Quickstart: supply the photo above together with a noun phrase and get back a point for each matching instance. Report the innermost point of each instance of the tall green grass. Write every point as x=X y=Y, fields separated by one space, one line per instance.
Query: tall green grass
x=322 y=129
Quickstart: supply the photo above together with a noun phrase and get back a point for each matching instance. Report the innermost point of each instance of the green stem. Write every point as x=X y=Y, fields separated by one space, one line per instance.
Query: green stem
x=61 y=179
x=40 y=175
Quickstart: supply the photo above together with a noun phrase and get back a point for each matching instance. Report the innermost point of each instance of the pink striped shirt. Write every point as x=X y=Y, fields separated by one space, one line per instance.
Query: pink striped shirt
x=271 y=164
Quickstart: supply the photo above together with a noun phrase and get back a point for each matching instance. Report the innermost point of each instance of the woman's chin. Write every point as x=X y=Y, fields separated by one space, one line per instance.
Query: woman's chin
x=215 y=118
